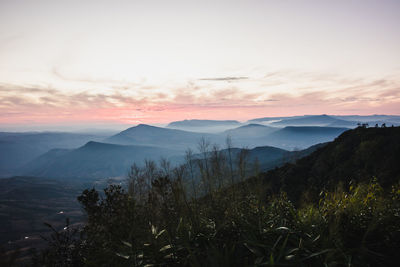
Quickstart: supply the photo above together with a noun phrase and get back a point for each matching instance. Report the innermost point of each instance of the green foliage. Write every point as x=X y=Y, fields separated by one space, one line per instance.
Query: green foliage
x=166 y=219
x=355 y=226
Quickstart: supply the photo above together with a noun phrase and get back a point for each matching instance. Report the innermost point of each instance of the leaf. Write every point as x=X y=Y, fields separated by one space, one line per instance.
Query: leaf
x=293 y=250
x=168 y=256
x=289 y=257
x=271 y=260
x=160 y=233
x=315 y=239
x=259 y=260
x=153 y=230
x=165 y=248
x=254 y=250
x=317 y=253
x=123 y=256
x=283 y=228
x=127 y=244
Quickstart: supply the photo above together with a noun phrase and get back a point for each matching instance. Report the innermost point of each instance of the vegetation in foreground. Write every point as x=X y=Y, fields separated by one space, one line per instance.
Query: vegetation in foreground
x=166 y=218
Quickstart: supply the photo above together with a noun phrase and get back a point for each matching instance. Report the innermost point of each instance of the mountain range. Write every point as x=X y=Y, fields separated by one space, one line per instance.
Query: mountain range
x=94 y=160
x=148 y=135
x=205 y=126
x=65 y=154
x=349 y=121
x=17 y=149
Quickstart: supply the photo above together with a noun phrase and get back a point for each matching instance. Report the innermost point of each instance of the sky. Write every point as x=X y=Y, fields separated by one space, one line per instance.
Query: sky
x=102 y=63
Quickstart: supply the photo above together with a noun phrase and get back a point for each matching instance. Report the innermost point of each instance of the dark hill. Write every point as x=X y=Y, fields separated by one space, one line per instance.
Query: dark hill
x=17 y=149
x=302 y=137
x=356 y=155
x=94 y=160
x=250 y=131
x=318 y=120
x=156 y=136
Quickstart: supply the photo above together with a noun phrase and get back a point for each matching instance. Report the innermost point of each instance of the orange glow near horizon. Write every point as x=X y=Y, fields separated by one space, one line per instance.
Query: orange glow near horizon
x=129 y=62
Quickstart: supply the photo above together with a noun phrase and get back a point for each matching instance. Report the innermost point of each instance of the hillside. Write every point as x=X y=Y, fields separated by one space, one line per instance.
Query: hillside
x=334 y=207
x=348 y=121
x=272 y=119
x=367 y=119
x=269 y=157
x=301 y=137
x=94 y=160
x=202 y=123
x=356 y=155
x=318 y=120
x=147 y=135
x=204 y=126
x=17 y=149
x=252 y=130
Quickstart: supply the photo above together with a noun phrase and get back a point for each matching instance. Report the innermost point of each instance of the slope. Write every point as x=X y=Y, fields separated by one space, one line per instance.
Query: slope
x=94 y=160
x=161 y=137
x=17 y=149
x=356 y=155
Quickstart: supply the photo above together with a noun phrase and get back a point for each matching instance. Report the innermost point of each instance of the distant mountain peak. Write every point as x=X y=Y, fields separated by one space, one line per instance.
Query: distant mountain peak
x=91 y=144
x=142 y=125
x=202 y=123
x=252 y=125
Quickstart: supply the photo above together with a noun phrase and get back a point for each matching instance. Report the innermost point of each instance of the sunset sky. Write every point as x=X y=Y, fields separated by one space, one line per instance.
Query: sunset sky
x=66 y=62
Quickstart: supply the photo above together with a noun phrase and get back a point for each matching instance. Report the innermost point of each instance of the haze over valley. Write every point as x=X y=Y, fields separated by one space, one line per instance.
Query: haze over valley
x=199 y=133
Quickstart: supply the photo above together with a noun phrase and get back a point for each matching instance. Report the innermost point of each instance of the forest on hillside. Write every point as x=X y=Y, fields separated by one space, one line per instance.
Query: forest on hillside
x=339 y=206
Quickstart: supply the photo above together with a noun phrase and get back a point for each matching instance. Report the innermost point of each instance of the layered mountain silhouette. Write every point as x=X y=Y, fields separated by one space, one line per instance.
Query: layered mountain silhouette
x=17 y=149
x=302 y=137
x=348 y=121
x=358 y=155
x=272 y=119
x=57 y=154
x=252 y=130
x=319 y=120
x=268 y=157
x=289 y=137
x=210 y=126
x=161 y=137
x=94 y=160
x=202 y=123
x=136 y=144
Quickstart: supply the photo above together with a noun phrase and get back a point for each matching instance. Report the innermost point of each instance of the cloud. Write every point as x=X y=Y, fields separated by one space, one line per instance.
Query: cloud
x=278 y=93
x=224 y=79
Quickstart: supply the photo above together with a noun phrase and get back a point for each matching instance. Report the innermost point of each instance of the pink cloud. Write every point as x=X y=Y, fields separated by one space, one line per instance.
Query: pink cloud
x=20 y=104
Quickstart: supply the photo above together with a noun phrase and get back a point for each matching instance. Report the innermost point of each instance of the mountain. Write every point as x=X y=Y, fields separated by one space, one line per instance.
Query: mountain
x=272 y=119
x=250 y=131
x=356 y=155
x=318 y=120
x=250 y=135
x=161 y=137
x=202 y=123
x=211 y=126
x=369 y=118
x=94 y=160
x=290 y=137
x=349 y=121
x=344 y=123
x=271 y=157
x=301 y=137
x=17 y=149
